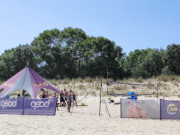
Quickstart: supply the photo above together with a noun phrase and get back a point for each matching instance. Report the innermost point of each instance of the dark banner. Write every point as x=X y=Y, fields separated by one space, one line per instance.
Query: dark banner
x=170 y=109
x=11 y=106
x=44 y=106
x=132 y=108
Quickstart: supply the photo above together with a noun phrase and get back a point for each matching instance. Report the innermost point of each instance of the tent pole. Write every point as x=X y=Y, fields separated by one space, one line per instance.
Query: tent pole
x=20 y=92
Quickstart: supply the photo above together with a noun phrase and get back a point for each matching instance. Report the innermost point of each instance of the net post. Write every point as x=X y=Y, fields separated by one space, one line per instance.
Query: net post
x=100 y=99
x=23 y=106
x=120 y=107
x=161 y=100
x=107 y=83
x=157 y=91
x=56 y=105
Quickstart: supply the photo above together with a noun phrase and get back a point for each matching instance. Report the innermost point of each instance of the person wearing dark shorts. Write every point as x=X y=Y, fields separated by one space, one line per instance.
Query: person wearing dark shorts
x=62 y=101
x=66 y=96
x=73 y=97
x=69 y=102
x=42 y=95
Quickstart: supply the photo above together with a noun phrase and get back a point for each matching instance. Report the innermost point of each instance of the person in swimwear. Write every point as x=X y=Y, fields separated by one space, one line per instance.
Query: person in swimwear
x=62 y=101
x=66 y=96
x=69 y=101
x=56 y=96
x=73 y=97
x=43 y=95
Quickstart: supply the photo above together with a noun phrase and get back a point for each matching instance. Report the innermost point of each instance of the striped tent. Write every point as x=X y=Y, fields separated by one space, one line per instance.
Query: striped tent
x=28 y=80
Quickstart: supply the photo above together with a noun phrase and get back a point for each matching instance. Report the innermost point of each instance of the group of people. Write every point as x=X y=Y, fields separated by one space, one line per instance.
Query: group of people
x=66 y=98
x=45 y=95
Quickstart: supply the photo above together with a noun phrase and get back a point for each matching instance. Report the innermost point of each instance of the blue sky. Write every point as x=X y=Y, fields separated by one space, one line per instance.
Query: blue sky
x=132 y=24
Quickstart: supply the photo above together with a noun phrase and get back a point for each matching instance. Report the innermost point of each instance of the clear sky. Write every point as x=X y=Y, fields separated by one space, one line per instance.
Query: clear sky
x=132 y=24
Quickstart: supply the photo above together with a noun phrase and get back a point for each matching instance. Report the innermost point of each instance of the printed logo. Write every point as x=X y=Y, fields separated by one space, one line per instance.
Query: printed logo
x=5 y=104
x=172 y=109
x=41 y=84
x=40 y=104
x=8 y=84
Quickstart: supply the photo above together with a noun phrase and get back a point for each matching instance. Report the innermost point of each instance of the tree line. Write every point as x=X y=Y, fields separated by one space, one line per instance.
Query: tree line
x=71 y=53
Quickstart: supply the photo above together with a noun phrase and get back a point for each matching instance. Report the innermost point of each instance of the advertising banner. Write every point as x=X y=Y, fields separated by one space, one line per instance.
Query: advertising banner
x=11 y=106
x=132 y=108
x=170 y=109
x=44 y=106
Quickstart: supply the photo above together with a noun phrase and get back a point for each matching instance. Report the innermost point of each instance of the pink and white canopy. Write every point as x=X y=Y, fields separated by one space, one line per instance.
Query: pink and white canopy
x=28 y=80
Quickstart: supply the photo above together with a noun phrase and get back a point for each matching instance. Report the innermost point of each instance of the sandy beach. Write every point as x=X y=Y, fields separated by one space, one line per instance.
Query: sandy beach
x=84 y=120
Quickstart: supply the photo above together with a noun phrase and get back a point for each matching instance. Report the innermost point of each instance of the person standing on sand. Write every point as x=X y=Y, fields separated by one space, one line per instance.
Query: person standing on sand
x=47 y=94
x=66 y=96
x=74 y=97
x=43 y=95
x=69 y=101
x=62 y=101
x=55 y=95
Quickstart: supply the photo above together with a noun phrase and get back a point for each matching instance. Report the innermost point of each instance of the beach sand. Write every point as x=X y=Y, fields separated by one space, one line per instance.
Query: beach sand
x=85 y=120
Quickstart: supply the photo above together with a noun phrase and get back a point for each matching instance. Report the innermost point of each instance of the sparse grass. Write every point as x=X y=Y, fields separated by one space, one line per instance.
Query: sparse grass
x=112 y=92
x=161 y=93
x=150 y=85
x=139 y=80
x=81 y=87
x=65 y=81
x=97 y=86
x=160 y=84
x=173 y=78
x=1 y=90
x=79 y=80
x=89 y=80
x=133 y=87
x=83 y=92
x=97 y=79
x=120 y=87
x=163 y=78
x=176 y=83
x=166 y=78
x=1 y=81
x=174 y=92
x=117 y=87
x=54 y=82
x=93 y=93
x=167 y=85
x=154 y=93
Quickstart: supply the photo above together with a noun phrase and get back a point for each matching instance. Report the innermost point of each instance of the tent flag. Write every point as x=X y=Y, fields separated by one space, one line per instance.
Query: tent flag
x=28 y=80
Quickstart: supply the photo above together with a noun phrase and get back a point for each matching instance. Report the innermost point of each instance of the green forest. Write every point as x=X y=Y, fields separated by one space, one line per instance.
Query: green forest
x=71 y=53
